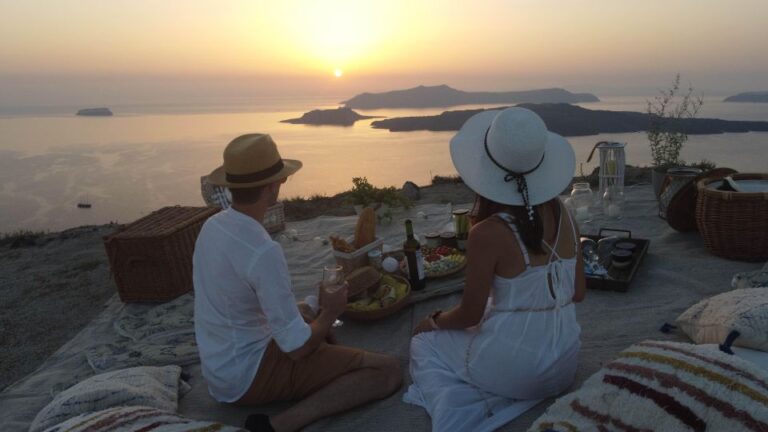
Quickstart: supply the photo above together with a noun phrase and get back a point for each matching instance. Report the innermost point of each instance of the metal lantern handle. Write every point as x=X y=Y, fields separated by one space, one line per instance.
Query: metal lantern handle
x=592 y=153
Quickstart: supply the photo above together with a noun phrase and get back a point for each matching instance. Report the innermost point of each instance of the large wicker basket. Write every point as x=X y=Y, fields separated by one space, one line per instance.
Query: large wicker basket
x=734 y=225
x=151 y=258
x=681 y=211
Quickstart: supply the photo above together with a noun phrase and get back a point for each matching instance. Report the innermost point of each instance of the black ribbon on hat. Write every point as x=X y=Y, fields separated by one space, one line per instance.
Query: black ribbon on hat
x=519 y=177
x=256 y=176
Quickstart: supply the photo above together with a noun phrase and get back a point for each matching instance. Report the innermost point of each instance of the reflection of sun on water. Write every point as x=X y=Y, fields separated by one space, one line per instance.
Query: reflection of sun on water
x=338 y=73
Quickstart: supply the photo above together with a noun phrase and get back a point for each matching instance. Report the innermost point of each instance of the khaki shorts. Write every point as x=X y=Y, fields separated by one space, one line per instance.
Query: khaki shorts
x=281 y=378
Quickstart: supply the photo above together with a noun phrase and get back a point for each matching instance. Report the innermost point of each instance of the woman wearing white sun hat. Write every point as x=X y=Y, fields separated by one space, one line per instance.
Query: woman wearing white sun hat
x=513 y=340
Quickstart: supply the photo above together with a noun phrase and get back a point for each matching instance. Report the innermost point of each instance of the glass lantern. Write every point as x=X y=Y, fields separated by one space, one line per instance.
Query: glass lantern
x=612 y=165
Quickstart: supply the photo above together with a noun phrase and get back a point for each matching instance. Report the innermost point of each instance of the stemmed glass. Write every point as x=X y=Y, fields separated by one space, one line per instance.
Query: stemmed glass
x=333 y=280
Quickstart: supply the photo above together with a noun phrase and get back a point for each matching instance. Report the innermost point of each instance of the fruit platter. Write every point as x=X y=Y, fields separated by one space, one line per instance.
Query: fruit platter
x=442 y=261
x=382 y=299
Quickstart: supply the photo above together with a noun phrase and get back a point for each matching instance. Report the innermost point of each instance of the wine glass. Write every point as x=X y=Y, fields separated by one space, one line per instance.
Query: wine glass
x=333 y=280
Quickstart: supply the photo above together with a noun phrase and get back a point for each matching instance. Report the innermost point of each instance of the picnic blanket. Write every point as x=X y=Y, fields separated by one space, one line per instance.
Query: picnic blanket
x=677 y=273
x=162 y=335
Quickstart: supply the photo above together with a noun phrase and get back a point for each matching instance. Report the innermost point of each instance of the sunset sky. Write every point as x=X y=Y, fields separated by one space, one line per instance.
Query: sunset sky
x=271 y=46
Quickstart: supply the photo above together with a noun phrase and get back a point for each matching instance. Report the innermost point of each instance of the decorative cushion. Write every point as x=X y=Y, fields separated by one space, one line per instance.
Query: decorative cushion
x=138 y=418
x=666 y=386
x=156 y=387
x=753 y=279
x=742 y=310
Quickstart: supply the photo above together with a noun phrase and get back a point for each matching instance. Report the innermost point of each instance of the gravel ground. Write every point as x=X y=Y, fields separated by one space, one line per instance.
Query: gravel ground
x=51 y=286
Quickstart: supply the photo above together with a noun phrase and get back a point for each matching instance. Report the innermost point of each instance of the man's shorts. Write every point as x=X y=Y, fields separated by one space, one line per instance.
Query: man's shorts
x=281 y=378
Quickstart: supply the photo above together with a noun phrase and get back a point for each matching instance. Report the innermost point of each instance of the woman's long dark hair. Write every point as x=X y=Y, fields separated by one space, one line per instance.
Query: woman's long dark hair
x=532 y=232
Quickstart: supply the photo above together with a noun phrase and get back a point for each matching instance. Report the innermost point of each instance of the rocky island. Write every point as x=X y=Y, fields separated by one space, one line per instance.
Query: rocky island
x=754 y=97
x=572 y=120
x=333 y=117
x=445 y=96
x=95 y=112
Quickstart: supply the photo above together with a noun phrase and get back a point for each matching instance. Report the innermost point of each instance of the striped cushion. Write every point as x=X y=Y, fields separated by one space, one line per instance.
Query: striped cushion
x=138 y=418
x=666 y=386
x=157 y=387
x=744 y=310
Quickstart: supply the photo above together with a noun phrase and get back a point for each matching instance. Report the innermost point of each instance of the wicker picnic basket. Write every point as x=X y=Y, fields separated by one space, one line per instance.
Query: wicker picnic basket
x=734 y=225
x=151 y=258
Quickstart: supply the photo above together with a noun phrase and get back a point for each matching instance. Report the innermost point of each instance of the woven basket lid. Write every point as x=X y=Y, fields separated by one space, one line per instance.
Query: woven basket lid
x=681 y=211
x=361 y=279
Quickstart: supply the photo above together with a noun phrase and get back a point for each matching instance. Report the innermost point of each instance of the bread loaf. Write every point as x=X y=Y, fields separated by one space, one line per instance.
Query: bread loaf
x=365 y=232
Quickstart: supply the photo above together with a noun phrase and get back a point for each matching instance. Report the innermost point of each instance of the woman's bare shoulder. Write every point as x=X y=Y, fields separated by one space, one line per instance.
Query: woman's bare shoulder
x=489 y=231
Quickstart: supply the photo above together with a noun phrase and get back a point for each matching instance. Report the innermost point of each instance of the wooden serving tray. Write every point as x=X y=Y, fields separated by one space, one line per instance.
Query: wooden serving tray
x=619 y=279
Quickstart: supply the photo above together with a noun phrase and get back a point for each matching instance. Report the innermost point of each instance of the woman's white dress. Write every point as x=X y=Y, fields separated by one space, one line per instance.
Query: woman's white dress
x=525 y=349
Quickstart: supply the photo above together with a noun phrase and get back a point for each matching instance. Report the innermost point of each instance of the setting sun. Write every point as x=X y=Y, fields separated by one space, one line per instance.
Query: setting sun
x=338 y=73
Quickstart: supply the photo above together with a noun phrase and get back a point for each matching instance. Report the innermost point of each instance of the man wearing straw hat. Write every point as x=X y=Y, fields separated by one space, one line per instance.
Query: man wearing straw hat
x=255 y=347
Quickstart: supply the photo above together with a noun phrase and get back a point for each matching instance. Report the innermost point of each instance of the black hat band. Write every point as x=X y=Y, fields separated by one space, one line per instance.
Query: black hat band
x=256 y=176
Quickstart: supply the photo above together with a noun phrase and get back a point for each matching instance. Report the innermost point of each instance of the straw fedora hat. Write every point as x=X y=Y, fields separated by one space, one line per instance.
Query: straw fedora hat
x=510 y=157
x=252 y=160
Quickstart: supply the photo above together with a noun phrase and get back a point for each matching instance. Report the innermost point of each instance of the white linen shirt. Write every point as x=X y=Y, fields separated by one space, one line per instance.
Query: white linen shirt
x=243 y=300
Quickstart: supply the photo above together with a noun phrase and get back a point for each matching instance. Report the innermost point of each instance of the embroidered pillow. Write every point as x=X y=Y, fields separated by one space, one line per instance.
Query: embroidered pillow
x=138 y=418
x=744 y=310
x=156 y=387
x=666 y=386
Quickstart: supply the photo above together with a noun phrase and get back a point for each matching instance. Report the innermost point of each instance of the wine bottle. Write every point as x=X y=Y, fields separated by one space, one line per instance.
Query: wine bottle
x=413 y=259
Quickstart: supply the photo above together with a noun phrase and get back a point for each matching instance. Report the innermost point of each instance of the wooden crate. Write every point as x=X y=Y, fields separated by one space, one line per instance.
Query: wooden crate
x=151 y=258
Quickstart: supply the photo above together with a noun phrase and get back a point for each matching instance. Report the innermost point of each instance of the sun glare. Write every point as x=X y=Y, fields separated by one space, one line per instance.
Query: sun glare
x=338 y=73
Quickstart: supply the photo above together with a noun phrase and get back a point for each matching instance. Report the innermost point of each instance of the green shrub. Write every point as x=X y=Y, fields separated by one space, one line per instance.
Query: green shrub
x=667 y=113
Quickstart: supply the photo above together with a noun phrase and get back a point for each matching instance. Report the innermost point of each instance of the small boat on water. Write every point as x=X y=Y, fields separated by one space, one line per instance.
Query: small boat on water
x=84 y=205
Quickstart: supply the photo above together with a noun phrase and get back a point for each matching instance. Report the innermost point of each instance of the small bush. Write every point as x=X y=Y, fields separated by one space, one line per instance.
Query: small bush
x=20 y=238
x=365 y=194
x=450 y=179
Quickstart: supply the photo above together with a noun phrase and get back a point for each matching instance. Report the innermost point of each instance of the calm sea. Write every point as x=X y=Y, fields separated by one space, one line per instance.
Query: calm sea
x=147 y=157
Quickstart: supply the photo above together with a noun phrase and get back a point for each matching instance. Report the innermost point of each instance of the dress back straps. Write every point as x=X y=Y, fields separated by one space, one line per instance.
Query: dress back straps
x=576 y=241
x=506 y=217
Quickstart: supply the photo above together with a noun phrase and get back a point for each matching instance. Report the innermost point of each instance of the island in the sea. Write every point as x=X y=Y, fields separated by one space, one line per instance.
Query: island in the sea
x=445 y=96
x=332 y=117
x=95 y=112
x=573 y=120
x=755 y=97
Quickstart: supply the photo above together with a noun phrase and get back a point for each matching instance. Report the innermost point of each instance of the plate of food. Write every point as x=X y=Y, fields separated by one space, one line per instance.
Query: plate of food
x=382 y=299
x=442 y=261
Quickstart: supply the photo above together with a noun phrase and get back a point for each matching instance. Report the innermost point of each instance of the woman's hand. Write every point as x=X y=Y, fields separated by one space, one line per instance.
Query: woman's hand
x=424 y=326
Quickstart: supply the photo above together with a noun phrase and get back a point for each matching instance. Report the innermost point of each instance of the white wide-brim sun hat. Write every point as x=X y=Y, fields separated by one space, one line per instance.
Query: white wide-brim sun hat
x=517 y=140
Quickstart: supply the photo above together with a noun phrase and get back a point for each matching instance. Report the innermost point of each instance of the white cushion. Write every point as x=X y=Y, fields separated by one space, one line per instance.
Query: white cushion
x=743 y=310
x=137 y=418
x=156 y=387
x=666 y=386
x=753 y=279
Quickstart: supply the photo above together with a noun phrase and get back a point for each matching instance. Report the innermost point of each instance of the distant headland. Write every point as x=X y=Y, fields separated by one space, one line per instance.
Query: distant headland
x=755 y=97
x=95 y=112
x=572 y=120
x=445 y=96
x=332 y=117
